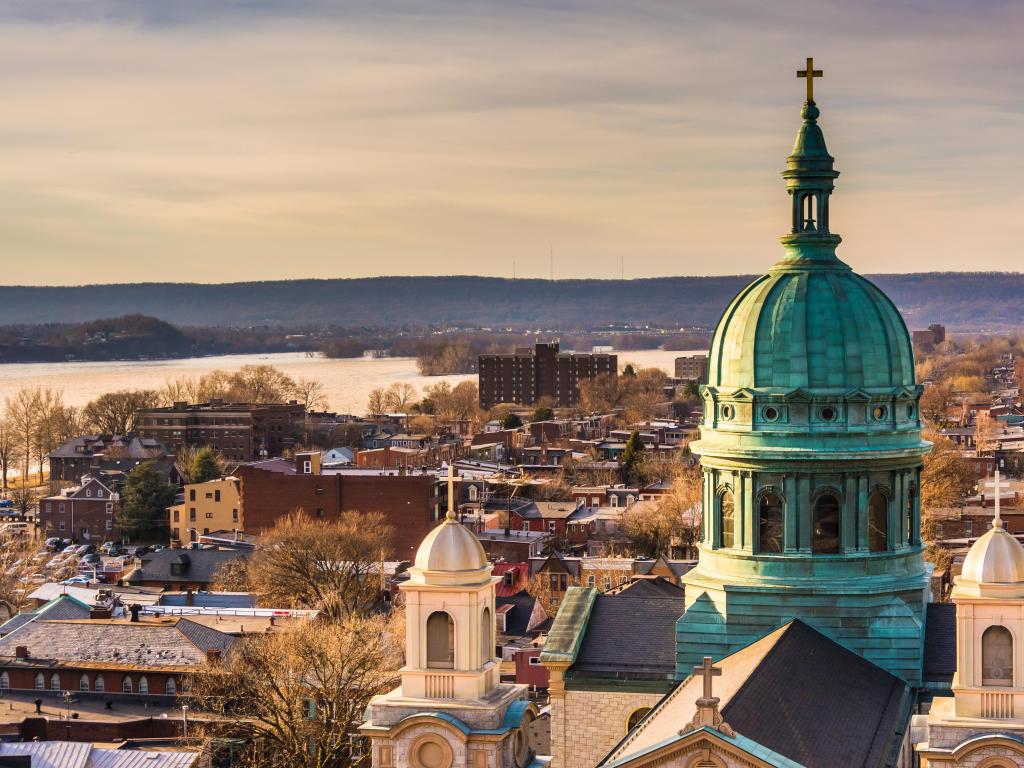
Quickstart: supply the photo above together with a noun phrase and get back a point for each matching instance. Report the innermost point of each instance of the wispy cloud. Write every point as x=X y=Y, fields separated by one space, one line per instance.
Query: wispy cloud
x=238 y=140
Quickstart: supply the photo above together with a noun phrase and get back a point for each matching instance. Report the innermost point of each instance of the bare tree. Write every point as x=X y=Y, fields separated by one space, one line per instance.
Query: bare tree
x=377 y=403
x=115 y=413
x=399 y=396
x=8 y=448
x=310 y=392
x=297 y=698
x=304 y=562
x=16 y=565
x=23 y=414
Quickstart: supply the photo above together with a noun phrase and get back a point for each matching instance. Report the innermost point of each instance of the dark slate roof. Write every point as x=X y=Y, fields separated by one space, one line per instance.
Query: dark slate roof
x=200 y=565
x=517 y=620
x=940 y=643
x=649 y=623
x=118 y=642
x=650 y=587
x=63 y=607
x=819 y=704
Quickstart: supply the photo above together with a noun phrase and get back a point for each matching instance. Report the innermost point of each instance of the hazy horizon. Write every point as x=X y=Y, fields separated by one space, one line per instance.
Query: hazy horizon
x=146 y=141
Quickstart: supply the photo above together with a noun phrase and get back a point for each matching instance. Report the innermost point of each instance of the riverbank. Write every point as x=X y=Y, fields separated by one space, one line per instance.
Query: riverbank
x=347 y=381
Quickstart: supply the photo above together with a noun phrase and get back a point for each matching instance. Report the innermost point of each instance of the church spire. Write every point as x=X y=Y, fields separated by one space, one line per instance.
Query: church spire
x=810 y=178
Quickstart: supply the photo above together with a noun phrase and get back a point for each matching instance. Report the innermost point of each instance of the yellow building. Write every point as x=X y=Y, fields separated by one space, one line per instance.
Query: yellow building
x=210 y=506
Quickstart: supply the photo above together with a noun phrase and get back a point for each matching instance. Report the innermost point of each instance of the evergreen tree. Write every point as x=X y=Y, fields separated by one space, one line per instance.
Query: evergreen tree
x=629 y=370
x=145 y=499
x=204 y=467
x=543 y=414
x=631 y=456
x=511 y=421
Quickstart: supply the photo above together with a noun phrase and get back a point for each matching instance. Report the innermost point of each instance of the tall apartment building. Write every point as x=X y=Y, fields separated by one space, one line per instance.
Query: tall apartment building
x=692 y=368
x=936 y=334
x=527 y=375
x=238 y=431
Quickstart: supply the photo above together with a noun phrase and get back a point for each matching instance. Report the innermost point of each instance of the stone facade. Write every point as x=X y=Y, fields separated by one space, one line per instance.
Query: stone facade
x=586 y=725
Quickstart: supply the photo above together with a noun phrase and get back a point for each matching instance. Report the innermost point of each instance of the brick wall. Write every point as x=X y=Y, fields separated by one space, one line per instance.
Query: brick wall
x=408 y=502
x=23 y=678
x=585 y=725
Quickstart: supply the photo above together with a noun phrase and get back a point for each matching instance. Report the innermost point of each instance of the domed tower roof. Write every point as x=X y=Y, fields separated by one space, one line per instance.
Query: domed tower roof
x=995 y=558
x=811 y=322
x=450 y=555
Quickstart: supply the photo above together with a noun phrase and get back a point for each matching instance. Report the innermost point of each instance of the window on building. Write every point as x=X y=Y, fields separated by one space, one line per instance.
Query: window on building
x=635 y=717
x=825 y=525
x=176 y=515
x=216 y=495
x=143 y=684
x=209 y=515
x=55 y=682
x=525 y=526
x=878 y=522
x=191 y=514
x=110 y=525
x=61 y=526
x=591 y=580
x=997 y=656
x=191 y=494
x=770 y=524
x=170 y=689
x=60 y=508
x=99 y=493
x=83 y=683
x=234 y=515
x=5 y=681
x=534 y=660
x=440 y=640
x=49 y=507
x=100 y=686
x=727 y=519
x=473 y=493
x=109 y=508
x=126 y=685
x=486 y=636
x=40 y=682
x=607 y=583
x=552 y=526
x=508 y=578
x=614 y=500
x=88 y=493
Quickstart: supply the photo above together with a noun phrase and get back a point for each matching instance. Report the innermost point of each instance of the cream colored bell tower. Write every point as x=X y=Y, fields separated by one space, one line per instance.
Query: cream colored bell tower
x=452 y=708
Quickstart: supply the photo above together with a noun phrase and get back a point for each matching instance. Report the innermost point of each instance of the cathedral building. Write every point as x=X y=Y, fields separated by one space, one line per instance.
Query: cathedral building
x=803 y=637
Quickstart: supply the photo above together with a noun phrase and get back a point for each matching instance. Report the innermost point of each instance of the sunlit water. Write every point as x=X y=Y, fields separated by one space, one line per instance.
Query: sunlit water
x=347 y=382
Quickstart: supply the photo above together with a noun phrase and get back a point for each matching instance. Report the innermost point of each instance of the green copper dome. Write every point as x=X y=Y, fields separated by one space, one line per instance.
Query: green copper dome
x=811 y=327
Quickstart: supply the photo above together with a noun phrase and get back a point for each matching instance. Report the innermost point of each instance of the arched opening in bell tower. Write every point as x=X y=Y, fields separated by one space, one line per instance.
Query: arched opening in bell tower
x=997 y=656
x=826 y=525
x=440 y=640
x=878 y=522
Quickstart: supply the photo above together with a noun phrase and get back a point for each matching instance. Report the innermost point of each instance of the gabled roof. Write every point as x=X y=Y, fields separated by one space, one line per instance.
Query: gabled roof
x=70 y=754
x=117 y=643
x=649 y=586
x=795 y=692
x=198 y=565
x=62 y=607
x=518 y=614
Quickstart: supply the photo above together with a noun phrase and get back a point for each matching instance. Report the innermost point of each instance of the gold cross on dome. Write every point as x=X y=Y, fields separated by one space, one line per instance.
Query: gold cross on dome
x=810 y=73
x=707 y=670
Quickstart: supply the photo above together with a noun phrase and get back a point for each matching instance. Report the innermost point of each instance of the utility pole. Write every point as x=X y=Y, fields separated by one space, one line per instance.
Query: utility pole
x=551 y=255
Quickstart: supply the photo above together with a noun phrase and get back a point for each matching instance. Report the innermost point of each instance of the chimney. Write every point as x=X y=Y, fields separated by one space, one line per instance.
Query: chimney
x=190 y=599
x=213 y=655
x=134 y=609
x=21 y=652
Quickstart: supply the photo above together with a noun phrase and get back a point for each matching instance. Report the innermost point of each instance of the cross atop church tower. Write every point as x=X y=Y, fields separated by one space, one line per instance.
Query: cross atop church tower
x=996 y=486
x=810 y=73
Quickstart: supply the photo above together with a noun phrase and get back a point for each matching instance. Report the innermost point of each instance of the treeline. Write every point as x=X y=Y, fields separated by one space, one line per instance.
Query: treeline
x=961 y=301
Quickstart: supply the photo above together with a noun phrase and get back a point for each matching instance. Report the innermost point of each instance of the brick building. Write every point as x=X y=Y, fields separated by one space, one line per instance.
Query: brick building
x=412 y=503
x=238 y=431
x=85 y=512
x=90 y=454
x=692 y=368
x=526 y=375
x=108 y=657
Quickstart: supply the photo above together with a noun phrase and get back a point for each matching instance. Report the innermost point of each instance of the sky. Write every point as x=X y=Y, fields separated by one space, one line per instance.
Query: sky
x=235 y=140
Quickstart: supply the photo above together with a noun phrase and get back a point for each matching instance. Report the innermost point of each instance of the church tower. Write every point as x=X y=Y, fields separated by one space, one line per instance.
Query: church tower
x=811 y=451
x=451 y=708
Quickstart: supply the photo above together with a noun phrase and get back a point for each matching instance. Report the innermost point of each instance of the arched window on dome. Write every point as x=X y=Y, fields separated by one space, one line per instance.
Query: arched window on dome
x=440 y=640
x=809 y=212
x=997 y=656
x=878 y=522
x=826 y=525
x=769 y=524
x=727 y=519
x=486 y=636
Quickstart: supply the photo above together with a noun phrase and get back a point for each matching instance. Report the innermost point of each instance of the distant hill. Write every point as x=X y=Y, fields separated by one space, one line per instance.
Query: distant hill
x=965 y=301
x=118 y=338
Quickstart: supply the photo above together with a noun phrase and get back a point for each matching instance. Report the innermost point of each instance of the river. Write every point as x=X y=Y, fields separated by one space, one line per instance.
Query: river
x=347 y=381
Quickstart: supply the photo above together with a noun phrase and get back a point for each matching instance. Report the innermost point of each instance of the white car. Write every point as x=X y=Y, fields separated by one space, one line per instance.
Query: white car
x=77 y=581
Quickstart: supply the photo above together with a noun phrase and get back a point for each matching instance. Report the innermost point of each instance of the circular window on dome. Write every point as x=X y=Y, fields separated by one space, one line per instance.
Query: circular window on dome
x=829 y=413
x=728 y=412
x=880 y=412
x=771 y=413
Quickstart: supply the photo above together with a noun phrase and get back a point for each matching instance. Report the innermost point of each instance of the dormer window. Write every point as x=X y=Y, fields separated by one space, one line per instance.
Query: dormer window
x=99 y=493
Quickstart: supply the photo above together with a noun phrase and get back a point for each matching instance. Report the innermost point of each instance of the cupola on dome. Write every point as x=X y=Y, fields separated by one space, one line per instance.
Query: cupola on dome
x=995 y=558
x=450 y=548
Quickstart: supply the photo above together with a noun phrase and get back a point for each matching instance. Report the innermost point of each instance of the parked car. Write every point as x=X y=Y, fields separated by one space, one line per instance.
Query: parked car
x=77 y=581
x=92 y=558
x=69 y=549
x=85 y=549
x=6 y=503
